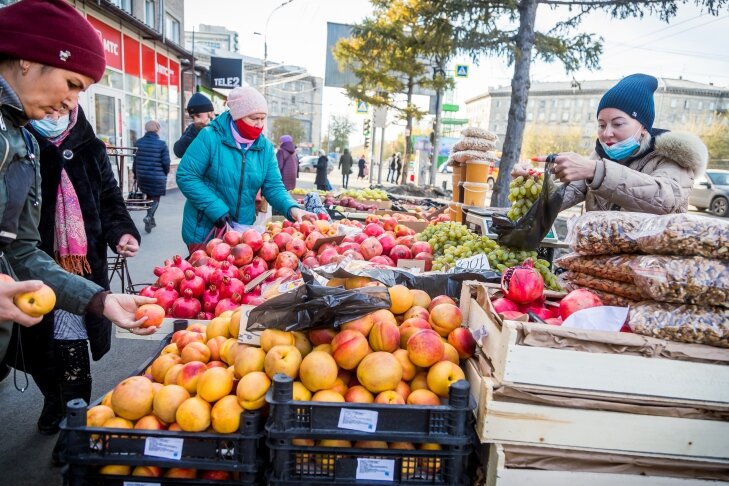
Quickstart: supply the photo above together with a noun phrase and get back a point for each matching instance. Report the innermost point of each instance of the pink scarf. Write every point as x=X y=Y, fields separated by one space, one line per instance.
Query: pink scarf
x=70 y=245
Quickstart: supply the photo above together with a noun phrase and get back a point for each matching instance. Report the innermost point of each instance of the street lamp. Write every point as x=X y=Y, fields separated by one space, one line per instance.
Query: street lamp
x=265 y=42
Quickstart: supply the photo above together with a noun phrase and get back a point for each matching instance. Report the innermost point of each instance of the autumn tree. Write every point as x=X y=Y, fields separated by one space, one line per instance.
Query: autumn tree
x=340 y=128
x=286 y=125
x=549 y=139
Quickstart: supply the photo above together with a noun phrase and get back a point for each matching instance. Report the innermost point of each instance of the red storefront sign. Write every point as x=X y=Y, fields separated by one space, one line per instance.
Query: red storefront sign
x=163 y=70
x=111 y=40
x=174 y=74
x=149 y=65
x=132 y=57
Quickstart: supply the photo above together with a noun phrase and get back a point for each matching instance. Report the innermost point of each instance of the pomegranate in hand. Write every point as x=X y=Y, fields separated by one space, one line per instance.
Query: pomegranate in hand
x=522 y=284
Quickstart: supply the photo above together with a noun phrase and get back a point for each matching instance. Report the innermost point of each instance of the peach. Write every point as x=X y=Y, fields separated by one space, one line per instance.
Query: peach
x=215 y=345
x=118 y=423
x=335 y=282
x=383 y=315
x=283 y=358
x=441 y=375
x=185 y=337
x=302 y=343
x=162 y=364
x=321 y=336
x=339 y=387
x=445 y=317
x=225 y=415
x=174 y=427
x=216 y=364
x=252 y=388
x=410 y=327
x=420 y=298
x=384 y=336
x=189 y=375
x=327 y=396
x=193 y=415
x=358 y=394
x=301 y=393
x=400 y=299
x=115 y=470
x=423 y=396
x=420 y=382
x=363 y=325
x=214 y=384
x=356 y=282
x=167 y=400
x=462 y=340
x=228 y=351
x=195 y=351
x=425 y=348
x=219 y=326
x=180 y=473
x=171 y=375
x=147 y=471
x=371 y=444
x=197 y=327
x=327 y=348
x=441 y=299
x=107 y=399
x=404 y=446
x=234 y=324
x=96 y=416
x=416 y=311
x=149 y=422
x=390 y=397
x=248 y=360
x=132 y=398
x=36 y=303
x=403 y=389
x=275 y=337
x=450 y=354
x=345 y=376
x=170 y=349
x=319 y=370
x=348 y=348
x=428 y=465
x=408 y=368
x=379 y=371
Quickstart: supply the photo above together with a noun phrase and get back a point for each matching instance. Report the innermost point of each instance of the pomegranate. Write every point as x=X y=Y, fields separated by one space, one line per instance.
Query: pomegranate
x=522 y=284
x=242 y=254
x=196 y=255
x=502 y=305
x=400 y=251
x=172 y=275
x=232 y=303
x=232 y=237
x=226 y=269
x=148 y=291
x=325 y=258
x=181 y=263
x=297 y=247
x=540 y=311
x=311 y=239
x=310 y=262
x=371 y=248
x=220 y=252
x=253 y=269
x=427 y=258
x=281 y=240
x=577 y=300
x=347 y=246
x=210 y=299
x=360 y=238
x=421 y=247
x=205 y=316
x=408 y=240
x=203 y=260
x=253 y=239
x=382 y=260
x=230 y=286
x=352 y=254
x=285 y=273
x=194 y=283
x=212 y=244
x=373 y=229
x=204 y=272
x=187 y=307
x=324 y=247
x=287 y=259
x=166 y=296
x=268 y=251
x=387 y=240
x=306 y=227
x=511 y=315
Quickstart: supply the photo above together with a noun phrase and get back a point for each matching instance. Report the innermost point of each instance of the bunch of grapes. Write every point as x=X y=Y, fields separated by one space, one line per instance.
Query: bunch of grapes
x=523 y=193
x=446 y=234
x=478 y=245
x=503 y=257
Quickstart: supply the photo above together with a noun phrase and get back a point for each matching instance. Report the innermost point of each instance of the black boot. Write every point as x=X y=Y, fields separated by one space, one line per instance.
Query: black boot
x=51 y=415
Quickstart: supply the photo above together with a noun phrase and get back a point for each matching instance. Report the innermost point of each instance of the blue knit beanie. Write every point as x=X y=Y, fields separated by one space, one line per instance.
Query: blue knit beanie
x=634 y=95
x=199 y=103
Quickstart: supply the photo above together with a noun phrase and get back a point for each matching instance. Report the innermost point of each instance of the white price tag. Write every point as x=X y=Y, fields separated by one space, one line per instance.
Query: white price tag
x=137 y=483
x=163 y=447
x=361 y=420
x=375 y=469
x=474 y=263
x=252 y=338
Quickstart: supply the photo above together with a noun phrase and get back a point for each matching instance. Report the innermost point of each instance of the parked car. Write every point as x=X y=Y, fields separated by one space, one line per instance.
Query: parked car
x=308 y=164
x=711 y=192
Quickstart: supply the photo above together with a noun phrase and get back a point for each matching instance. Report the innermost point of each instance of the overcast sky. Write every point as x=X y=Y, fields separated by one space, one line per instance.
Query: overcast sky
x=692 y=45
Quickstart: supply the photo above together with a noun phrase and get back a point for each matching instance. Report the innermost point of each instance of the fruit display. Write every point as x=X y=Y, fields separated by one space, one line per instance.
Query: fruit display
x=366 y=194
x=298 y=191
x=523 y=192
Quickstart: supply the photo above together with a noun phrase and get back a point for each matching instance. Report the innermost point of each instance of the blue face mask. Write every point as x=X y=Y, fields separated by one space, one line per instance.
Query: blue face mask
x=51 y=128
x=622 y=149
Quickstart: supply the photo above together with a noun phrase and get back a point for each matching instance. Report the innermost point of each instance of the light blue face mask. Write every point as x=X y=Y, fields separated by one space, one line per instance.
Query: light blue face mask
x=622 y=149
x=50 y=128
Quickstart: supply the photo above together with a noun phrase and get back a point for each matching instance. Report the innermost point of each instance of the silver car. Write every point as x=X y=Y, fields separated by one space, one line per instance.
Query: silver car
x=711 y=192
x=308 y=163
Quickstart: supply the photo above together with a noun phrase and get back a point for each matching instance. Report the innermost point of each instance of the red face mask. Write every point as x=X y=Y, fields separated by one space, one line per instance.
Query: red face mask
x=249 y=132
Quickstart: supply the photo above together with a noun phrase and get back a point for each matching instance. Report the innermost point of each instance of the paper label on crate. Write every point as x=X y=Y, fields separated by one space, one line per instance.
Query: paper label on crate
x=375 y=469
x=252 y=338
x=361 y=420
x=137 y=483
x=474 y=263
x=166 y=448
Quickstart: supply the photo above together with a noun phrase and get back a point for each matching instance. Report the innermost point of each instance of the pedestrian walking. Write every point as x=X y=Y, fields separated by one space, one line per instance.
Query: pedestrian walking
x=391 y=170
x=398 y=167
x=79 y=192
x=288 y=162
x=361 y=165
x=345 y=165
x=150 y=168
x=201 y=110
x=322 y=179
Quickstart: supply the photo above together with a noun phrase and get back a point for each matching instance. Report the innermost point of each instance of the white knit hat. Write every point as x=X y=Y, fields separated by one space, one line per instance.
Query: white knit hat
x=245 y=101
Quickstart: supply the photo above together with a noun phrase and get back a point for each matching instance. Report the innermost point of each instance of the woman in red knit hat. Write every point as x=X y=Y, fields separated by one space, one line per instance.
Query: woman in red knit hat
x=48 y=54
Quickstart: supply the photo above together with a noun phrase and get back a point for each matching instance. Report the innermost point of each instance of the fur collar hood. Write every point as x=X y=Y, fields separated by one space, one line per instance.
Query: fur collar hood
x=686 y=149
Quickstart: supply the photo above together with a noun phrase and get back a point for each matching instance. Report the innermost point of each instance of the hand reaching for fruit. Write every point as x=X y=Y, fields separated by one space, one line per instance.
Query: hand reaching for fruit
x=120 y=309
x=127 y=246
x=299 y=214
x=9 y=291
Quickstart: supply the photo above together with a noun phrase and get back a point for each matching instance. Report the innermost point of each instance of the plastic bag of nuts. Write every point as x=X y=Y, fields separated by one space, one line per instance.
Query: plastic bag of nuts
x=606 y=232
x=685 y=234
x=682 y=280
x=611 y=267
x=683 y=323
x=623 y=289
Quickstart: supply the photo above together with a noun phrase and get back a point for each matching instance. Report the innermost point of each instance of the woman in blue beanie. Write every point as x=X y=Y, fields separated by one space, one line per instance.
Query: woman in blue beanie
x=635 y=167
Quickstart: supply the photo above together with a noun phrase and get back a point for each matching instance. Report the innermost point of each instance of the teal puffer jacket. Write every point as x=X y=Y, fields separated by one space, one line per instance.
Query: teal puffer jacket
x=218 y=178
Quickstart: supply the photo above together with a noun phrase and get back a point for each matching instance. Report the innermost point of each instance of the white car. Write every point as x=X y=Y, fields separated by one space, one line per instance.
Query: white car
x=711 y=192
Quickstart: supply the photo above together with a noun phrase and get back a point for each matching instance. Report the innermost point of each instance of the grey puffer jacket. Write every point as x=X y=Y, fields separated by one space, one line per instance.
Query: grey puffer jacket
x=659 y=182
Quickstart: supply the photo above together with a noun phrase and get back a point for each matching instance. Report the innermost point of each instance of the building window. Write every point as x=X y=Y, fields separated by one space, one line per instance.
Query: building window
x=149 y=13
x=712 y=106
x=565 y=116
x=498 y=103
x=579 y=102
x=567 y=103
x=529 y=116
x=554 y=103
x=541 y=115
x=674 y=102
x=701 y=105
x=552 y=116
x=542 y=104
x=686 y=104
x=125 y=5
x=172 y=29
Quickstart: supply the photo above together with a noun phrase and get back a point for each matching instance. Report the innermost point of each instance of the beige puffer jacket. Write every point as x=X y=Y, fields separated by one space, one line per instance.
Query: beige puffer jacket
x=658 y=183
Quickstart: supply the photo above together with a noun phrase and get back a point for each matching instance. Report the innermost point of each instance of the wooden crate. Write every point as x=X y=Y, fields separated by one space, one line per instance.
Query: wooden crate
x=499 y=474
x=591 y=374
x=506 y=421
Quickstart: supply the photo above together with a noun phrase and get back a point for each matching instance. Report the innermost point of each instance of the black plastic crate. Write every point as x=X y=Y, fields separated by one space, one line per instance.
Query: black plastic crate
x=77 y=476
x=445 y=424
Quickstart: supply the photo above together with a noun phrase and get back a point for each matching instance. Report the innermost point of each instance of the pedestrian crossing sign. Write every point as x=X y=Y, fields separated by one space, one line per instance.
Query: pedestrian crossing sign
x=363 y=107
x=461 y=71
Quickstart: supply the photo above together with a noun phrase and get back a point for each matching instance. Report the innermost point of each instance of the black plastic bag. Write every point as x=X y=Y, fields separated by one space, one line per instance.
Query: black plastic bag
x=528 y=232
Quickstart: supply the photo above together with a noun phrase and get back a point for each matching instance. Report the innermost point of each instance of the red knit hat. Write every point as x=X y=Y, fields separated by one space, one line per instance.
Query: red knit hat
x=53 y=33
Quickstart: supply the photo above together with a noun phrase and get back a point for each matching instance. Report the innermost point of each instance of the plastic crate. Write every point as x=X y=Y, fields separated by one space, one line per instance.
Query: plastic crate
x=89 y=477
x=445 y=424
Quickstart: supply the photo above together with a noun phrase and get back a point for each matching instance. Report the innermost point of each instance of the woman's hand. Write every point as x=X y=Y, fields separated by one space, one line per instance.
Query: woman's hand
x=128 y=246
x=8 y=310
x=120 y=309
x=521 y=170
x=299 y=214
x=571 y=167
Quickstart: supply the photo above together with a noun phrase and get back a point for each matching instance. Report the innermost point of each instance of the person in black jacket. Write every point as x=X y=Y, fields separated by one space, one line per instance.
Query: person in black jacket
x=82 y=213
x=200 y=109
x=322 y=164
x=151 y=166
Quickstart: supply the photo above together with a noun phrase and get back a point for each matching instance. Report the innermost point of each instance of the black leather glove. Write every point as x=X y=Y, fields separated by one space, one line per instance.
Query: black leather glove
x=222 y=221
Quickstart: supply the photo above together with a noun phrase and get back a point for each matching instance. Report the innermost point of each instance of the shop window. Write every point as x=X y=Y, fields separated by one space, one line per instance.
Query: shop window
x=149 y=111
x=149 y=13
x=172 y=29
x=134 y=123
x=112 y=79
x=133 y=84
x=174 y=125
x=163 y=117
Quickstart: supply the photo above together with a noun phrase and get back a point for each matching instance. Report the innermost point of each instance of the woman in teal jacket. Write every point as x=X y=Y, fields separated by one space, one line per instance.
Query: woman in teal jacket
x=225 y=167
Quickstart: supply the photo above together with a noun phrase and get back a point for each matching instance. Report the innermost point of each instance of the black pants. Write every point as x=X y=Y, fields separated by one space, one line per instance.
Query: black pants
x=345 y=180
x=153 y=207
